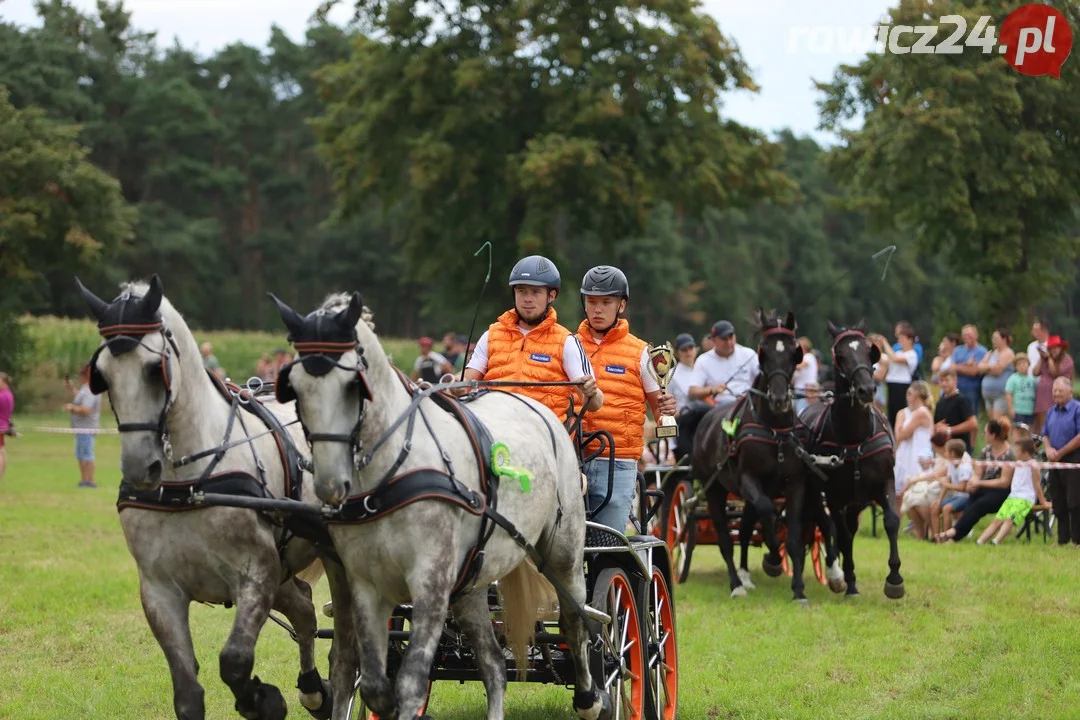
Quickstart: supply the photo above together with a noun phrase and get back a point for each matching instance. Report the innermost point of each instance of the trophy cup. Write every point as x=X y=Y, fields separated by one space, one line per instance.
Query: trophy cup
x=662 y=367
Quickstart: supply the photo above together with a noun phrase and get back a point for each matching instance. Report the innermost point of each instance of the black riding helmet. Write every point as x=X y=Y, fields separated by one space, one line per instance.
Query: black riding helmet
x=539 y=271
x=605 y=280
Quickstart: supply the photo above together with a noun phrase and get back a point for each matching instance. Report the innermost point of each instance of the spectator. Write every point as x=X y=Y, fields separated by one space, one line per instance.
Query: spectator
x=706 y=343
x=954 y=415
x=1061 y=439
x=210 y=361
x=966 y=359
x=1052 y=364
x=264 y=369
x=450 y=351
x=953 y=497
x=1020 y=393
x=685 y=353
x=7 y=409
x=1023 y=494
x=923 y=491
x=806 y=374
x=996 y=367
x=460 y=348
x=897 y=346
x=281 y=359
x=944 y=357
x=993 y=485
x=85 y=409
x=901 y=367
x=1041 y=333
x=430 y=366
x=913 y=425
x=727 y=371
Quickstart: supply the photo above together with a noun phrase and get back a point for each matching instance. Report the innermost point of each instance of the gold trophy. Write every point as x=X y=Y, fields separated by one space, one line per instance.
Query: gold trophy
x=662 y=367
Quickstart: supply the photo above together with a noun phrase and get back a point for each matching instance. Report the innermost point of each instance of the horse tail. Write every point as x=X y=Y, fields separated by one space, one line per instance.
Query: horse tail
x=526 y=596
x=312 y=572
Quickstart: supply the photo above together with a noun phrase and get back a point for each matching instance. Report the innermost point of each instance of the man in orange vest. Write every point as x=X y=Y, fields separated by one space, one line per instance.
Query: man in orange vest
x=620 y=362
x=527 y=344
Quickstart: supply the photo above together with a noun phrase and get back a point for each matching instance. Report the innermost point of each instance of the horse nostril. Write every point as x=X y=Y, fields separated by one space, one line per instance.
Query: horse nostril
x=348 y=486
x=153 y=470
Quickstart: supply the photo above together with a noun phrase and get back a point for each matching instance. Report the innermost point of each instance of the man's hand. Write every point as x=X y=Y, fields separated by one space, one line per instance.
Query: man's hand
x=68 y=407
x=666 y=403
x=588 y=385
x=1051 y=454
x=717 y=389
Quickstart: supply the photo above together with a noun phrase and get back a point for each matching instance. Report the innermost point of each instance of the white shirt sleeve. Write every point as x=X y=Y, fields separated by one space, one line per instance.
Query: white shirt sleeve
x=479 y=359
x=912 y=359
x=574 y=360
x=648 y=382
x=697 y=375
x=439 y=359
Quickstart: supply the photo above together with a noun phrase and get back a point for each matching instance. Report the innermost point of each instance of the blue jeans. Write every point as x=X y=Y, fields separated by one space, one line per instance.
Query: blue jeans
x=616 y=514
x=84 y=447
x=974 y=396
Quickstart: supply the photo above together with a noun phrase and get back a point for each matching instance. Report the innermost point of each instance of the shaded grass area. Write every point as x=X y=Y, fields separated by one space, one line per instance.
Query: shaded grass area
x=983 y=632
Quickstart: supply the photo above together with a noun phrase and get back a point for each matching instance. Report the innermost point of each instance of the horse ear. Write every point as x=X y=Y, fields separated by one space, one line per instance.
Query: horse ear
x=152 y=299
x=350 y=316
x=833 y=330
x=789 y=323
x=97 y=305
x=293 y=322
x=860 y=326
x=875 y=354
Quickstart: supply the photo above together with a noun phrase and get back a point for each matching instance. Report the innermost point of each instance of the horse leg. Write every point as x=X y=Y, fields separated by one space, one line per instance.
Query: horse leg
x=371 y=613
x=824 y=521
x=255 y=700
x=717 y=497
x=846 y=529
x=166 y=611
x=796 y=491
x=293 y=599
x=345 y=649
x=474 y=616
x=562 y=552
x=765 y=509
x=431 y=596
x=746 y=533
x=894 y=582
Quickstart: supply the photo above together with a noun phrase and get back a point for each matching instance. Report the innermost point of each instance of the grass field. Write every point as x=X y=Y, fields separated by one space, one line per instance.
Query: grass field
x=983 y=632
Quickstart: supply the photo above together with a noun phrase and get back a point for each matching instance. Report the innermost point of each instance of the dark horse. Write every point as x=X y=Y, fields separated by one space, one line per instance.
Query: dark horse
x=758 y=460
x=851 y=430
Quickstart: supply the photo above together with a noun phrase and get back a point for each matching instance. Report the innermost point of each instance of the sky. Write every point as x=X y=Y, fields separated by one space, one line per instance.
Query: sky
x=788 y=44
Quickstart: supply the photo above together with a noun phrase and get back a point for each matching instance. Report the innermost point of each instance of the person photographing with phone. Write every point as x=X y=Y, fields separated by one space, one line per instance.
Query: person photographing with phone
x=85 y=409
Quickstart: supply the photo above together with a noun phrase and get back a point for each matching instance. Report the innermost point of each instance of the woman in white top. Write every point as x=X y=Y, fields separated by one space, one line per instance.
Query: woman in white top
x=944 y=357
x=1023 y=493
x=902 y=367
x=806 y=375
x=914 y=425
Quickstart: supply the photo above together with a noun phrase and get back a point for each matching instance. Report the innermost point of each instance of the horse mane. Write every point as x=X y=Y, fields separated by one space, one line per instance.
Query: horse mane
x=338 y=301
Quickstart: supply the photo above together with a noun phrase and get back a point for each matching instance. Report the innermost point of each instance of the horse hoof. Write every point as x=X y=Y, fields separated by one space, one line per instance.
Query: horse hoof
x=853 y=595
x=595 y=705
x=894 y=592
x=802 y=601
x=837 y=585
x=770 y=569
x=324 y=710
x=269 y=704
x=744 y=578
x=739 y=592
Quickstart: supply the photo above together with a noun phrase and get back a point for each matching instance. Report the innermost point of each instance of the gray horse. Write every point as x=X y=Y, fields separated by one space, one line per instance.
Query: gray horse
x=410 y=472
x=167 y=407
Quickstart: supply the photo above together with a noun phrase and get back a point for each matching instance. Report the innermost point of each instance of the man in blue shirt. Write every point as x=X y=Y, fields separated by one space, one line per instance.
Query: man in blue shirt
x=965 y=359
x=1061 y=438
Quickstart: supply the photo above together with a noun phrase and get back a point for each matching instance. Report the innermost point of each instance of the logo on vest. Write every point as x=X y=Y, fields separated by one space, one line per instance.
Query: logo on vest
x=616 y=369
x=539 y=357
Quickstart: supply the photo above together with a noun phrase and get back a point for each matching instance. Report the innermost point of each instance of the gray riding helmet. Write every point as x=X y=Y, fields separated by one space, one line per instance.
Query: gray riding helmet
x=605 y=280
x=535 y=270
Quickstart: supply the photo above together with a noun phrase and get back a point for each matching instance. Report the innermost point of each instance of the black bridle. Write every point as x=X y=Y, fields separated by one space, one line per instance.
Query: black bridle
x=777 y=372
x=849 y=378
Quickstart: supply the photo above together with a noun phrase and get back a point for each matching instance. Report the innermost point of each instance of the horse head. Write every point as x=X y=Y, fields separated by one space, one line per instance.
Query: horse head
x=853 y=360
x=329 y=383
x=139 y=374
x=779 y=353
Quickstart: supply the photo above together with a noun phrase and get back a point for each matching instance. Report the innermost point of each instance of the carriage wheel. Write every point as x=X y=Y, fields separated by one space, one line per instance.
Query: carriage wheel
x=661 y=659
x=679 y=530
x=619 y=665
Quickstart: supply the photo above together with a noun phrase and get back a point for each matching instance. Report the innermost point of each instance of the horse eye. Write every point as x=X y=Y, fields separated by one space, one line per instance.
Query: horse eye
x=153 y=371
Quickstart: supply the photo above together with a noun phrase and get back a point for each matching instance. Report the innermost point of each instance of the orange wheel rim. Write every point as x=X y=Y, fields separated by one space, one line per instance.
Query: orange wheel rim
x=627 y=683
x=664 y=664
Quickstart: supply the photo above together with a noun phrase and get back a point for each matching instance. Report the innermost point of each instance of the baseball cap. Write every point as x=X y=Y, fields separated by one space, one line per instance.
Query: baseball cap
x=723 y=329
x=684 y=340
x=426 y=342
